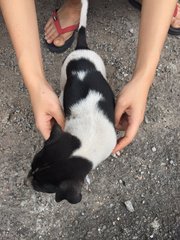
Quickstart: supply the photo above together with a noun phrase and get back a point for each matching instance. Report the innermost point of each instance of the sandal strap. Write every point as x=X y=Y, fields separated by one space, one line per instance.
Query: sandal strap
x=59 y=29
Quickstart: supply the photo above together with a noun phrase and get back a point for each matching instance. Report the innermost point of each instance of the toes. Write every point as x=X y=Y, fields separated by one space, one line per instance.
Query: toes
x=50 y=31
x=50 y=28
x=48 y=24
x=59 y=41
x=51 y=35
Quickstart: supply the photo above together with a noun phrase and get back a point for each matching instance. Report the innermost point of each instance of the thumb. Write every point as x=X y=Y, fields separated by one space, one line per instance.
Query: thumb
x=45 y=128
x=128 y=137
x=59 y=117
x=118 y=114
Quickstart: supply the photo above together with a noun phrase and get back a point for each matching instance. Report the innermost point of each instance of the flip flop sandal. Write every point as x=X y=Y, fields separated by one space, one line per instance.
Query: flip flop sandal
x=53 y=48
x=172 y=30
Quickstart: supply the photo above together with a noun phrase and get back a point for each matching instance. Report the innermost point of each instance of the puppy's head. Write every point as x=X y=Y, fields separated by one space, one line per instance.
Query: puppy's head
x=55 y=170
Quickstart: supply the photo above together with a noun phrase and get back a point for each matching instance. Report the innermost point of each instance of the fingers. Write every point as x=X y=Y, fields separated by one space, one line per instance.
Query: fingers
x=128 y=137
x=44 y=121
x=44 y=125
x=46 y=133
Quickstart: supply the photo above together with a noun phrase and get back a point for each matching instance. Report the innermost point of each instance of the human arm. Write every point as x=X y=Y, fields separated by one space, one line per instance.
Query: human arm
x=21 y=21
x=131 y=102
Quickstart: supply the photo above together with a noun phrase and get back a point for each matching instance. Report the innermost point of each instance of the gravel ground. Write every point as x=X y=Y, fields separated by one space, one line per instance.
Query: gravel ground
x=137 y=195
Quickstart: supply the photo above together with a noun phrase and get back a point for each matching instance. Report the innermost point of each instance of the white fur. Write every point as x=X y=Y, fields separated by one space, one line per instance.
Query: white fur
x=81 y=74
x=80 y=54
x=92 y=127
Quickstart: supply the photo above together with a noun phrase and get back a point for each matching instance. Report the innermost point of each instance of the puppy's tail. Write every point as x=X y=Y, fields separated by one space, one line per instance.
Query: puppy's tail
x=81 y=40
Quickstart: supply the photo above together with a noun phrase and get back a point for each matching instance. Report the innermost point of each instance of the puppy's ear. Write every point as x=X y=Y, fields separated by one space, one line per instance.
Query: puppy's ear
x=55 y=134
x=69 y=190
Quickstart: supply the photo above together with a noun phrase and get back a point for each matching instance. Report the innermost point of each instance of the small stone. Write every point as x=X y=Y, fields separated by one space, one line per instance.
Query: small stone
x=146 y=120
x=88 y=180
x=155 y=224
x=154 y=149
x=125 y=74
x=171 y=162
x=163 y=164
x=131 y=30
x=129 y=206
x=103 y=228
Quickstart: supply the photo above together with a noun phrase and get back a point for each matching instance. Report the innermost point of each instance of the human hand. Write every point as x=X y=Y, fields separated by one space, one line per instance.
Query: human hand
x=129 y=111
x=46 y=107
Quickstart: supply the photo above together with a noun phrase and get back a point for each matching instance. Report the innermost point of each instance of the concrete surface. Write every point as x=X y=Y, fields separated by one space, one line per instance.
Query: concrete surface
x=147 y=173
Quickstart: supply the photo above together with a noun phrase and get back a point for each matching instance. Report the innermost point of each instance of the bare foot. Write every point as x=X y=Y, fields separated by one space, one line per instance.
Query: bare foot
x=68 y=15
x=175 y=23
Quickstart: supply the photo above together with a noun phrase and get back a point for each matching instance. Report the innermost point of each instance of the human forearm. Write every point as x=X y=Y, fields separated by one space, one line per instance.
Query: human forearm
x=155 y=21
x=21 y=21
x=131 y=103
x=20 y=18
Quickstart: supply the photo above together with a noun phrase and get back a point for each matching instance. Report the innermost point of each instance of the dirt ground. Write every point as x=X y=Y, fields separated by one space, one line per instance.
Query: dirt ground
x=147 y=173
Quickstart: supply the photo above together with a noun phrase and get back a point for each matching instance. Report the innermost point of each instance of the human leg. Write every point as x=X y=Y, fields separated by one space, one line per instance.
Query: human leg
x=175 y=22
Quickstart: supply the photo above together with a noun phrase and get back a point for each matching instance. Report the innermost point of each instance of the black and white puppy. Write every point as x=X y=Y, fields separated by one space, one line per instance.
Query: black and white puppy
x=89 y=135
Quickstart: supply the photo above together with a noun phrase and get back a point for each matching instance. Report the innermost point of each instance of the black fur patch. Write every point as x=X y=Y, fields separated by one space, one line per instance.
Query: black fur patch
x=76 y=89
x=81 y=40
x=53 y=165
x=79 y=65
